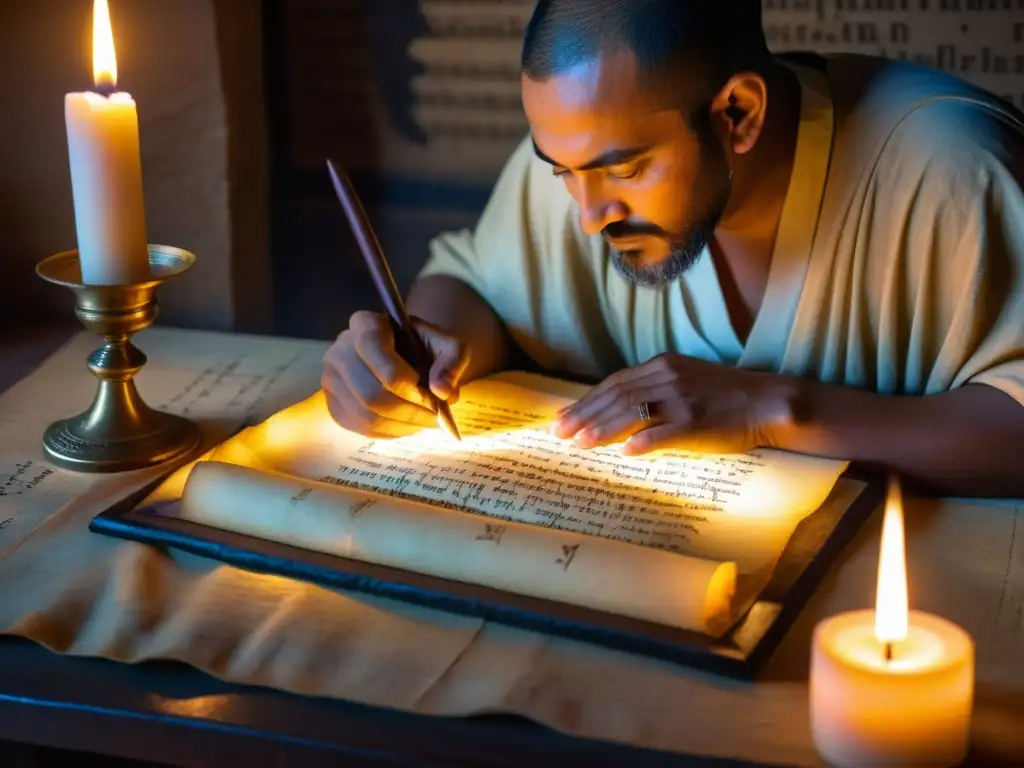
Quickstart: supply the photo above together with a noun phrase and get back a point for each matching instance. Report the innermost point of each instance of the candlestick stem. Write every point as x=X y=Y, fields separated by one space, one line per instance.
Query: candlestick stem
x=118 y=431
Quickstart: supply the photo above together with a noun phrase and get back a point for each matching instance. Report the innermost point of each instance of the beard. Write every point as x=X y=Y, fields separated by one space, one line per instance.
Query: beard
x=712 y=190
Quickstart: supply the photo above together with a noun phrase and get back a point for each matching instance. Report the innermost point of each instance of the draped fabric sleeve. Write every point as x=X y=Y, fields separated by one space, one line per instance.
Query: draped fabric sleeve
x=994 y=241
x=952 y=298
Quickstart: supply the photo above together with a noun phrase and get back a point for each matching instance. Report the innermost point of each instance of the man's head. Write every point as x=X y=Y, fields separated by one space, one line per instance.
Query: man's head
x=640 y=107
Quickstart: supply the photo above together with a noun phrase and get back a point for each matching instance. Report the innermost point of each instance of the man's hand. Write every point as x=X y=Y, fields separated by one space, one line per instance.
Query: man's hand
x=371 y=390
x=694 y=405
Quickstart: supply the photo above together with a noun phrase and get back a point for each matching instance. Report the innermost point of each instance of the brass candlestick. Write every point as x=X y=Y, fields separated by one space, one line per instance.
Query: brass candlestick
x=119 y=431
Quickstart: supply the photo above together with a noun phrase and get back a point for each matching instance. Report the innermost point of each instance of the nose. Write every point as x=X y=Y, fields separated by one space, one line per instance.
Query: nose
x=597 y=209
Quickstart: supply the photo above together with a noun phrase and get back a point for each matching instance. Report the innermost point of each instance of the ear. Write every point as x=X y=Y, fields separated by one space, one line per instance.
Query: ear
x=739 y=110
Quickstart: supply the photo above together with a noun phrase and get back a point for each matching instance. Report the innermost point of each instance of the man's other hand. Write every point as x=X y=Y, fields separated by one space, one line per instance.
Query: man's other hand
x=692 y=404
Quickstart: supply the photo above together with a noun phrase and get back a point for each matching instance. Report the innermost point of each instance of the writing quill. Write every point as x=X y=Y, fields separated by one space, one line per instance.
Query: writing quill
x=408 y=343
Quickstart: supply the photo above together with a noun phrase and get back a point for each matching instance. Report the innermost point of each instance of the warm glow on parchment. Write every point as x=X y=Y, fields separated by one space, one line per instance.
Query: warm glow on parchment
x=891 y=600
x=306 y=432
x=104 y=60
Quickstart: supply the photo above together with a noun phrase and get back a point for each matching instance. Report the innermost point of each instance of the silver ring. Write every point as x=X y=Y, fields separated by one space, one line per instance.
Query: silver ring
x=645 y=411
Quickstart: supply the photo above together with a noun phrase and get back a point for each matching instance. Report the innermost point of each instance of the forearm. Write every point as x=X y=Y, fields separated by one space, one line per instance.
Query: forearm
x=453 y=306
x=965 y=442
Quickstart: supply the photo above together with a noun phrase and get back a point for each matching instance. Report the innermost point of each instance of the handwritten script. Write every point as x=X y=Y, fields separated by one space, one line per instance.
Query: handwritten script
x=26 y=476
x=219 y=380
x=506 y=470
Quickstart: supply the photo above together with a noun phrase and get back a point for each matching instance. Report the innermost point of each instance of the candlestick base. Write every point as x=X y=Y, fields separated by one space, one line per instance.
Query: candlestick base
x=119 y=431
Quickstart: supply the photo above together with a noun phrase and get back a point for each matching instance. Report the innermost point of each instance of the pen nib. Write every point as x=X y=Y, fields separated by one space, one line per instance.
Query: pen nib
x=447 y=423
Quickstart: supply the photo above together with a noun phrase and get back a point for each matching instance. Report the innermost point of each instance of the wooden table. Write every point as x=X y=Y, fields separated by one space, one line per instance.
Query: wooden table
x=176 y=715
x=173 y=714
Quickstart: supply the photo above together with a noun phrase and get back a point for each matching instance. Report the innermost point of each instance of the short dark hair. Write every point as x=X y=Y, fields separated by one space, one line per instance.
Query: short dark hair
x=708 y=41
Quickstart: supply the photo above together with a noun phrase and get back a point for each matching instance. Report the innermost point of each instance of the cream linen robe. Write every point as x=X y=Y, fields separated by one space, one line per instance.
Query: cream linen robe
x=898 y=266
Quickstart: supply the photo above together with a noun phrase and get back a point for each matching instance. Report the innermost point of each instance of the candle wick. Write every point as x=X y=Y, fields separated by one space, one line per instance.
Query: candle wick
x=888 y=651
x=106 y=89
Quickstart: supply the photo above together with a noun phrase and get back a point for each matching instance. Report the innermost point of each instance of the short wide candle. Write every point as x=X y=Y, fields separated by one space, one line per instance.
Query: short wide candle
x=891 y=686
x=914 y=709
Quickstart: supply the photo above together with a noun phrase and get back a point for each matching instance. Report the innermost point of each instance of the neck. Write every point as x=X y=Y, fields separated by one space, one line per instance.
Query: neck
x=761 y=177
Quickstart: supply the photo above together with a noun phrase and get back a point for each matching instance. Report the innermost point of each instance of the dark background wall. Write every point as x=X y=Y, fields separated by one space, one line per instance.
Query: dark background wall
x=201 y=130
x=240 y=102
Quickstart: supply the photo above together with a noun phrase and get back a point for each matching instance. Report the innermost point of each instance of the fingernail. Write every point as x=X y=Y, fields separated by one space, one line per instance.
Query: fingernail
x=560 y=428
x=445 y=385
x=632 y=447
x=585 y=438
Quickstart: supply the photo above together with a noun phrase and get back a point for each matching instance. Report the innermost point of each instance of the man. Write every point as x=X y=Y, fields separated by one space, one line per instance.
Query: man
x=817 y=254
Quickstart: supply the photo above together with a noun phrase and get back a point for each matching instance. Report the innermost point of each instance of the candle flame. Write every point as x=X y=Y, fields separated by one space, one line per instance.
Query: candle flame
x=891 y=605
x=104 y=60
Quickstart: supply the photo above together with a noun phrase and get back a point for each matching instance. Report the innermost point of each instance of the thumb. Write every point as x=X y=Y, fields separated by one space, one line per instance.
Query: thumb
x=450 y=360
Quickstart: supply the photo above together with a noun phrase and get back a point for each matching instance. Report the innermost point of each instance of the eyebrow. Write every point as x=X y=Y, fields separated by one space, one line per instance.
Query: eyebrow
x=611 y=157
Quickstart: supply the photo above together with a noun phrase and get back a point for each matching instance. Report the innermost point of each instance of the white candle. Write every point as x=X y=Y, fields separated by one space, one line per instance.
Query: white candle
x=891 y=686
x=106 y=170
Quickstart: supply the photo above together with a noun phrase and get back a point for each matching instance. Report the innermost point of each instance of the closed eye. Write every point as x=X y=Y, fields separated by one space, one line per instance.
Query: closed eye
x=625 y=172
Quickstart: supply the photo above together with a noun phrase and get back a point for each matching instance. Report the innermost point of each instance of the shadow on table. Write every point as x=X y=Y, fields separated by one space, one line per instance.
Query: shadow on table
x=18 y=755
x=168 y=712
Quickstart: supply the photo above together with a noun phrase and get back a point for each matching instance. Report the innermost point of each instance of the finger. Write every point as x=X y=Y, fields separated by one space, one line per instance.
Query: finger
x=346 y=405
x=378 y=430
x=336 y=395
x=374 y=342
x=582 y=413
x=623 y=377
x=623 y=418
x=446 y=374
x=450 y=359
x=673 y=437
x=633 y=373
x=394 y=374
x=369 y=395
x=589 y=409
x=365 y=321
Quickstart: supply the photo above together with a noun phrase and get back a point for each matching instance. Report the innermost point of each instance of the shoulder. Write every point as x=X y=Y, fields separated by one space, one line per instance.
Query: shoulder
x=930 y=167
x=883 y=106
x=883 y=90
x=948 y=186
x=960 y=150
x=924 y=137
